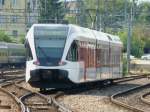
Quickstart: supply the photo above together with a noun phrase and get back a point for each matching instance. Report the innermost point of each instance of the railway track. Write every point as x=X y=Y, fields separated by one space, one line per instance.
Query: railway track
x=36 y=102
x=61 y=108
x=130 y=78
x=83 y=88
x=146 y=98
x=32 y=101
x=5 y=72
x=131 y=98
x=8 y=101
x=27 y=100
x=73 y=98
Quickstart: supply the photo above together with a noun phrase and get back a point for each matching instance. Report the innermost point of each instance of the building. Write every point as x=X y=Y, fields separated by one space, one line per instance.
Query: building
x=32 y=12
x=72 y=10
x=13 y=17
x=17 y=15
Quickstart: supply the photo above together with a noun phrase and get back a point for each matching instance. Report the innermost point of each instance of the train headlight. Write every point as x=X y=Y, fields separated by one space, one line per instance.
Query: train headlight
x=36 y=62
x=62 y=63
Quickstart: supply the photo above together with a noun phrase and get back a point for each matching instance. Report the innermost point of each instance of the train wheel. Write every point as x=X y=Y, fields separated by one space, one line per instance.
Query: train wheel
x=42 y=89
x=107 y=82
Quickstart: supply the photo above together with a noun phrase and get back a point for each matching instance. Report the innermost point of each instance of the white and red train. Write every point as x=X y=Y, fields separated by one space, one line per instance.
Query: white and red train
x=59 y=55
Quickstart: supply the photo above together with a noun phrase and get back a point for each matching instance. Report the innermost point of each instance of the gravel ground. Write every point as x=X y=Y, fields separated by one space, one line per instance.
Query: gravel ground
x=99 y=100
x=27 y=86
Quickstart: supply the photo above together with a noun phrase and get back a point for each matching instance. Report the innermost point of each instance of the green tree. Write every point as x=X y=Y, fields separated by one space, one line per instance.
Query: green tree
x=123 y=36
x=109 y=14
x=4 y=37
x=137 y=41
x=51 y=11
x=137 y=46
x=143 y=13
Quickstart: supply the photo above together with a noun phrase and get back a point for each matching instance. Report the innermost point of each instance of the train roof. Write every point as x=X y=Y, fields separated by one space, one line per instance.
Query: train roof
x=95 y=34
x=86 y=32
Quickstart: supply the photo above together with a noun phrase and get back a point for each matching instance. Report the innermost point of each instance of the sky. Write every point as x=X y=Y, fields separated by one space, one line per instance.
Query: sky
x=138 y=2
x=143 y=0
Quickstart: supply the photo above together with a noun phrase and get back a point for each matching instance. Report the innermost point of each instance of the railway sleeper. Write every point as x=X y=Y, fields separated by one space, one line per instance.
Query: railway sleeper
x=5 y=107
x=36 y=104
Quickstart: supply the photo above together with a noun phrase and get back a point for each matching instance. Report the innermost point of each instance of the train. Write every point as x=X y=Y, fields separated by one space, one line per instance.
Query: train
x=59 y=55
x=12 y=55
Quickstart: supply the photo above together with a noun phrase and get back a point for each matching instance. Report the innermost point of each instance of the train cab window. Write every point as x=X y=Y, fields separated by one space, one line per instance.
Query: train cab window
x=73 y=52
x=28 y=51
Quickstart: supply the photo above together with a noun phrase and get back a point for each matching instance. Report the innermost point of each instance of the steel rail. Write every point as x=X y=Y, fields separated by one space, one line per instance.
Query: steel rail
x=129 y=78
x=22 y=98
x=8 y=81
x=30 y=94
x=22 y=106
x=144 y=99
x=115 y=101
x=11 y=71
x=60 y=107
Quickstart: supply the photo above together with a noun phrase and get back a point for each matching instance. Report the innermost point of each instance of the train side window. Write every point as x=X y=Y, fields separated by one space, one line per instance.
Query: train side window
x=73 y=52
x=28 y=51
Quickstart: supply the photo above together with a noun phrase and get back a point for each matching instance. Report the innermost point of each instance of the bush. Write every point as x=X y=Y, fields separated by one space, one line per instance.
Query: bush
x=4 y=37
x=137 y=43
x=22 y=40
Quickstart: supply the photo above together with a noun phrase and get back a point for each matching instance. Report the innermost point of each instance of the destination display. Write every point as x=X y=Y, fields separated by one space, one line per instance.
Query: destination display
x=50 y=32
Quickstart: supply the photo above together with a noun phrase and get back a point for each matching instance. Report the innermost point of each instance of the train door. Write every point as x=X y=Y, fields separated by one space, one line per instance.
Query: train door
x=91 y=69
x=83 y=59
x=105 y=61
x=29 y=60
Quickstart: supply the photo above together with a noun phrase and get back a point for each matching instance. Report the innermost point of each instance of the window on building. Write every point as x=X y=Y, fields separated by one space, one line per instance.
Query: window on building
x=28 y=6
x=14 y=19
x=2 y=19
x=2 y=2
x=15 y=33
x=34 y=4
x=14 y=3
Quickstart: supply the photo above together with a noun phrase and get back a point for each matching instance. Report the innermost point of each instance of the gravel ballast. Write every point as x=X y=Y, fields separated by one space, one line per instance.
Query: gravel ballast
x=98 y=100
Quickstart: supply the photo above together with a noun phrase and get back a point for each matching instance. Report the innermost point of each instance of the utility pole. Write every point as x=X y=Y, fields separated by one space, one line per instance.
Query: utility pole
x=45 y=19
x=82 y=13
x=105 y=14
x=98 y=21
x=129 y=37
x=125 y=12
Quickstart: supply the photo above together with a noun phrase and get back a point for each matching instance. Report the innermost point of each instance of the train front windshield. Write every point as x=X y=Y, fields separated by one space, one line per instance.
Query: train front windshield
x=49 y=44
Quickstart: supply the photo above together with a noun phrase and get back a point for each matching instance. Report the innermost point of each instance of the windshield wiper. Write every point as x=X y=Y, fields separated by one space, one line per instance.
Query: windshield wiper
x=43 y=52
